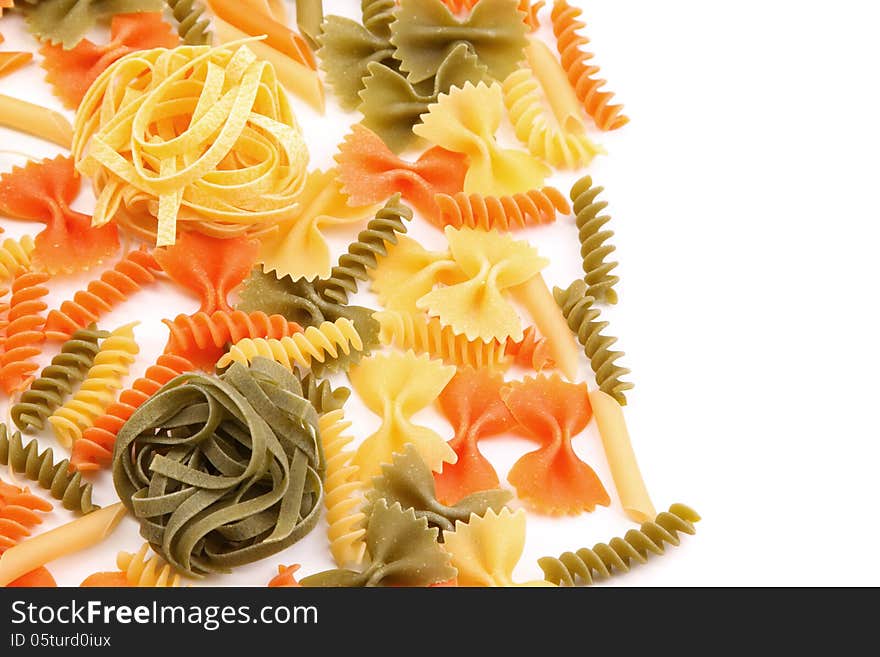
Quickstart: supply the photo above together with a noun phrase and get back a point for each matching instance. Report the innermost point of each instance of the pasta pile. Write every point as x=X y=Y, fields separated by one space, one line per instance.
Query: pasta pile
x=229 y=447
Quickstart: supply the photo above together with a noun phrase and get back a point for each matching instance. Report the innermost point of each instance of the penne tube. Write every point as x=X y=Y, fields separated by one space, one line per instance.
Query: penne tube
x=12 y=61
x=561 y=97
x=548 y=318
x=82 y=533
x=621 y=458
x=309 y=18
x=249 y=17
x=35 y=120
x=297 y=78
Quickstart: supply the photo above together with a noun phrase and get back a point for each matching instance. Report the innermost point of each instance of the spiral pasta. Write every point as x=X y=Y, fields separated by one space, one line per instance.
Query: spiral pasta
x=15 y=254
x=594 y=246
x=582 y=318
x=25 y=329
x=560 y=139
x=427 y=335
x=346 y=521
x=135 y=270
x=235 y=167
x=192 y=28
x=94 y=449
x=75 y=495
x=318 y=347
x=581 y=73
x=202 y=338
x=18 y=514
x=57 y=380
x=141 y=571
x=616 y=555
x=531 y=208
x=117 y=353
x=364 y=252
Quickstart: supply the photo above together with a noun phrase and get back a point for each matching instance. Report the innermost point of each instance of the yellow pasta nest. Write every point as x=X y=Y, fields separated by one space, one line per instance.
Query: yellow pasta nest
x=194 y=134
x=346 y=522
x=320 y=343
x=140 y=571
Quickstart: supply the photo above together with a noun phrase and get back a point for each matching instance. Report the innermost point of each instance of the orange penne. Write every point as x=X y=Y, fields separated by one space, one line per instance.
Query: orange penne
x=12 y=61
x=249 y=17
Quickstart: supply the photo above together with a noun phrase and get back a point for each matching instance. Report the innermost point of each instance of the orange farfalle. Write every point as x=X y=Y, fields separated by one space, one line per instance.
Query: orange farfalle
x=553 y=478
x=42 y=191
x=532 y=352
x=94 y=450
x=39 y=578
x=71 y=72
x=371 y=173
x=203 y=338
x=116 y=579
x=209 y=266
x=285 y=578
x=472 y=403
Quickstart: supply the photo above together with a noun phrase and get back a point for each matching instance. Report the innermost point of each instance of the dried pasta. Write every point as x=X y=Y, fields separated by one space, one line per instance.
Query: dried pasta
x=532 y=208
x=594 y=240
x=426 y=31
x=35 y=120
x=142 y=571
x=94 y=449
x=285 y=577
x=298 y=248
x=619 y=553
x=465 y=121
x=409 y=482
x=71 y=72
x=553 y=479
x=24 y=332
x=11 y=61
x=328 y=346
x=492 y=262
x=486 y=549
x=583 y=319
x=248 y=126
x=67 y=539
x=209 y=266
x=309 y=16
x=98 y=390
x=42 y=191
x=202 y=338
x=346 y=521
x=396 y=386
x=15 y=255
x=135 y=270
x=560 y=139
x=529 y=10
x=392 y=105
x=364 y=252
x=249 y=425
x=68 y=21
x=472 y=403
x=324 y=397
x=70 y=489
x=576 y=62
x=191 y=27
x=370 y=172
x=57 y=380
x=403 y=552
x=19 y=514
x=347 y=48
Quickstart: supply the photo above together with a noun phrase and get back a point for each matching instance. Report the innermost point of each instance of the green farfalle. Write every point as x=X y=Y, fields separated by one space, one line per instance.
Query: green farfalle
x=67 y=21
x=324 y=397
x=347 y=47
x=403 y=550
x=392 y=105
x=426 y=32
x=409 y=482
x=222 y=471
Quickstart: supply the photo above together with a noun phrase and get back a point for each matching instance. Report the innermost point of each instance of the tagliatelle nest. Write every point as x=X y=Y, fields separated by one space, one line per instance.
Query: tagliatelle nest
x=195 y=134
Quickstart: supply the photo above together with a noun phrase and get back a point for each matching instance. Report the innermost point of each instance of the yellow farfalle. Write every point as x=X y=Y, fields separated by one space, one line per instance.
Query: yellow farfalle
x=465 y=121
x=492 y=262
x=396 y=386
x=486 y=549
x=409 y=272
x=298 y=249
x=193 y=134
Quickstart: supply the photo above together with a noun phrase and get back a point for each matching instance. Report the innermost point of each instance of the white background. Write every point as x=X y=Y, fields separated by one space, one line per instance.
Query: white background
x=745 y=217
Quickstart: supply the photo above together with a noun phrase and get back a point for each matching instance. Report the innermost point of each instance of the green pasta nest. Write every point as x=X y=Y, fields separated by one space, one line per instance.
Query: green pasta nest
x=222 y=471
